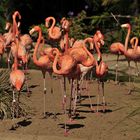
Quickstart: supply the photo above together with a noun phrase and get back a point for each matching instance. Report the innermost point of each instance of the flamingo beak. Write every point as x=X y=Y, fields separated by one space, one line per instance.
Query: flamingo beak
x=31 y=31
x=102 y=42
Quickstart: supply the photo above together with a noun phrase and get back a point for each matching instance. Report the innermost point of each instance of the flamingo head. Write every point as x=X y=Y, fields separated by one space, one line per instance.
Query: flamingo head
x=47 y=21
x=7 y=26
x=65 y=24
x=35 y=28
x=100 y=37
x=126 y=25
x=16 y=13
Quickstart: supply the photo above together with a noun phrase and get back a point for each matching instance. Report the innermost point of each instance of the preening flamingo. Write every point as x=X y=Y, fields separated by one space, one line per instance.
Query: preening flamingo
x=54 y=32
x=43 y=62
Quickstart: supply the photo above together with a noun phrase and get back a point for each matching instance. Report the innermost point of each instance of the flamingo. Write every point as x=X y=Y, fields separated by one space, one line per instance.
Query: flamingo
x=44 y=62
x=68 y=67
x=134 y=44
x=129 y=53
x=17 y=77
x=117 y=48
x=24 y=41
x=101 y=71
x=54 y=32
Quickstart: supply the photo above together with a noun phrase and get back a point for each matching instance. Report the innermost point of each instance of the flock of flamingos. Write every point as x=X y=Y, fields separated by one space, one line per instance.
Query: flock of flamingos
x=72 y=60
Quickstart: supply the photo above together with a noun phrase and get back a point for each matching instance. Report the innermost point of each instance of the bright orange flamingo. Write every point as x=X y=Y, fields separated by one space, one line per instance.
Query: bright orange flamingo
x=129 y=53
x=17 y=76
x=54 y=32
x=44 y=62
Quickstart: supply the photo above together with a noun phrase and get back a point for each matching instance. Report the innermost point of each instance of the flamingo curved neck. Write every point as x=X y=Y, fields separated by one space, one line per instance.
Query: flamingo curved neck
x=55 y=64
x=52 y=26
x=135 y=43
x=90 y=60
x=36 y=48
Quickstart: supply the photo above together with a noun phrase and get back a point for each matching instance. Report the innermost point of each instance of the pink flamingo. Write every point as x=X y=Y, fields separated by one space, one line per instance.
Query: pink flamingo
x=129 y=53
x=134 y=44
x=17 y=76
x=44 y=62
x=118 y=49
x=54 y=32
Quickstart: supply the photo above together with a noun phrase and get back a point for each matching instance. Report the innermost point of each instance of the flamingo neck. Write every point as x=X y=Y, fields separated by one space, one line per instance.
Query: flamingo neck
x=90 y=60
x=90 y=41
x=36 y=48
x=127 y=38
x=136 y=44
x=98 y=50
x=55 y=70
x=52 y=26
x=67 y=42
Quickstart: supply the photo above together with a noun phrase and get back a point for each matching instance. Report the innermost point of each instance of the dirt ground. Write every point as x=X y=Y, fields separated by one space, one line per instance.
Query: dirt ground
x=121 y=121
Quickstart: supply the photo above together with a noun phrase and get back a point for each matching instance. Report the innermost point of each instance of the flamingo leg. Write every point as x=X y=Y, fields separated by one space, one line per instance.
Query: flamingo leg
x=26 y=79
x=98 y=96
x=61 y=84
x=116 y=77
x=103 y=98
x=130 y=90
x=8 y=59
x=137 y=69
x=71 y=98
x=52 y=92
x=44 y=95
x=13 y=110
x=75 y=97
x=91 y=106
x=65 y=108
x=17 y=109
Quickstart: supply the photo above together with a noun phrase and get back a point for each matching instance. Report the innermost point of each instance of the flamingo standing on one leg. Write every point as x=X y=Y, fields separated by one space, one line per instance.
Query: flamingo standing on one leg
x=44 y=62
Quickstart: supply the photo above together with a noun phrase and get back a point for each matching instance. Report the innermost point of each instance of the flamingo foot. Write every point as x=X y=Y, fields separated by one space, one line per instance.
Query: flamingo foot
x=116 y=82
x=92 y=109
x=129 y=92
x=14 y=126
x=71 y=121
x=66 y=133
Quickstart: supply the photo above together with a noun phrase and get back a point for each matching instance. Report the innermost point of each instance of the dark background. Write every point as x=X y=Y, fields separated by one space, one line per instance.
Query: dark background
x=35 y=11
